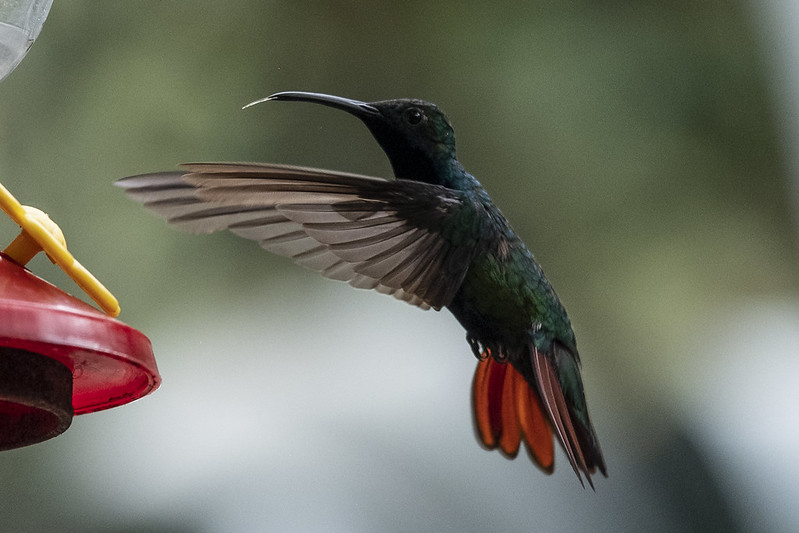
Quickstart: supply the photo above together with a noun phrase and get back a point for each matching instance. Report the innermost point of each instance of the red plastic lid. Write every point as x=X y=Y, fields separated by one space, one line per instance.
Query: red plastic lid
x=111 y=363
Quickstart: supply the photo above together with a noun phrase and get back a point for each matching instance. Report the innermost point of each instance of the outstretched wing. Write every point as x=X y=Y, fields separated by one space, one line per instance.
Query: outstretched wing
x=398 y=237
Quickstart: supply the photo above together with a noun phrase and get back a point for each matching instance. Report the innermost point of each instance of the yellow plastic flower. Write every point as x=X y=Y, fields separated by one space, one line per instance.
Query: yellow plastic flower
x=39 y=233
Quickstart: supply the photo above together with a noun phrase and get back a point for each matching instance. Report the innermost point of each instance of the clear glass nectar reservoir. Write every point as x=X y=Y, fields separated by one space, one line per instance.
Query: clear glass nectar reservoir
x=20 y=24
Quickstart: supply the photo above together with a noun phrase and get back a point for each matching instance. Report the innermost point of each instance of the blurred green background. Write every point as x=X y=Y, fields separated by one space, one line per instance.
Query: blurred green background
x=642 y=149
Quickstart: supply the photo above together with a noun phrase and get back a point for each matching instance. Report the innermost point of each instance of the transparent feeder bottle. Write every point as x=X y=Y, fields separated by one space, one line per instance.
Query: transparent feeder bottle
x=20 y=24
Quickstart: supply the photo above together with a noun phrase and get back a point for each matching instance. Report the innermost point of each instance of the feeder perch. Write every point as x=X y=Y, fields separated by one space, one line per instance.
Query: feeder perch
x=59 y=356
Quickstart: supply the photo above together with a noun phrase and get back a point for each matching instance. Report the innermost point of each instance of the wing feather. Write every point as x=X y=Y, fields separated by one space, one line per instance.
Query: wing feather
x=385 y=235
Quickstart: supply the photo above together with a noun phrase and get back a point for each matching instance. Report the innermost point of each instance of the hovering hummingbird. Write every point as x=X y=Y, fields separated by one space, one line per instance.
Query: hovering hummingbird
x=432 y=237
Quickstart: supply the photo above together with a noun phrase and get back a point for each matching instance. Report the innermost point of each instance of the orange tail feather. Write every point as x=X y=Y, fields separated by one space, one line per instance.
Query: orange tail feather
x=507 y=411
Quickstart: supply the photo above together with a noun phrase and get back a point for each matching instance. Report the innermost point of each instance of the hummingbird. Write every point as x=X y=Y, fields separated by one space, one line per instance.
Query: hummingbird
x=431 y=236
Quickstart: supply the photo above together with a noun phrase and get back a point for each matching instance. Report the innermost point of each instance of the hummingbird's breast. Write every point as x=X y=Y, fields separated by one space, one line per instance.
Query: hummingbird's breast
x=505 y=298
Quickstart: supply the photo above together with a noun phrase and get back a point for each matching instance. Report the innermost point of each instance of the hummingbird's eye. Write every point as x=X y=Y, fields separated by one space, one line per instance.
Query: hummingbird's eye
x=413 y=116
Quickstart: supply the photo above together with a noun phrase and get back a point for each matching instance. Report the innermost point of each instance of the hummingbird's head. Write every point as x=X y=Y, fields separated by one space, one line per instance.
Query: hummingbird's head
x=417 y=137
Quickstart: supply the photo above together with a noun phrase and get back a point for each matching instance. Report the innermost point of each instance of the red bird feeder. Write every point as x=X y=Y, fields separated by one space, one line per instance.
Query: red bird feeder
x=59 y=356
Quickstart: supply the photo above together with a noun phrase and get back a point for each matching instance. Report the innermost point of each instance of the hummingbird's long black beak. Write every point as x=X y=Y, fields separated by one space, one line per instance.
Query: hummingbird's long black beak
x=360 y=109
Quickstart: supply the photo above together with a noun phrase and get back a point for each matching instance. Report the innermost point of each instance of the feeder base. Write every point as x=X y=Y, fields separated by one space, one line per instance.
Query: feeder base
x=35 y=398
